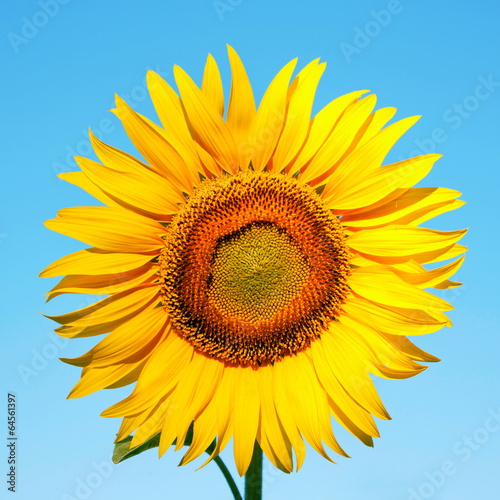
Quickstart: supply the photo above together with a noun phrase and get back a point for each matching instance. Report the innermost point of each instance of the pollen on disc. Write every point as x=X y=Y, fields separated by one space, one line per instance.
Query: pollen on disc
x=254 y=268
x=255 y=272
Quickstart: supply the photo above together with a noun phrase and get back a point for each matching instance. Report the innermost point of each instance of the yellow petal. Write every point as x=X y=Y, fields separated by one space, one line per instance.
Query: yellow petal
x=212 y=85
x=112 y=229
x=373 y=125
x=96 y=379
x=129 y=424
x=339 y=140
x=321 y=126
x=447 y=284
x=300 y=393
x=384 y=287
x=144 y=194
x=321 y=403
x=297 y=118
x=241 y=109
x=117 y=307
x=211 y=130
x=93 y=261
x=416 y=218
x=449 y=253
x=210 y=167
x=133 y=339
x=351 y=372
x=159 y=377
x=224 y=403
x=391 y=320
x=348 y=424
x=193 y=398
x=366 y=158
x=152 y=142
x=190 y=397
x=165 y=440
x=204 y=432
x=149 y=422
x=345 y=410
x=263 y=440
x=438 y=255
x=303 y=74
x=275 y=435
x=78 y=332
x=130 y=166
x=268 y=122
x=381 y=352
x=245 y=417
x=168 y=105
x=425 y=278
x=401 y=241
x=408 y=348
x=377 y=184
x=413 y=200
x=367 y=131
x=128 y=378
x=286 y=414
x=103 y=284
x=82 y=181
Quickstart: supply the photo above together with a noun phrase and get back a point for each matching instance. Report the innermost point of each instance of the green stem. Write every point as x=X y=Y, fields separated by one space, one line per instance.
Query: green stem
x=229 y=478
x=253 y=477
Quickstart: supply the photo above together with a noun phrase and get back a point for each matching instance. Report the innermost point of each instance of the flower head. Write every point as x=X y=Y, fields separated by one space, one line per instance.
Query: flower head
x=259 y=267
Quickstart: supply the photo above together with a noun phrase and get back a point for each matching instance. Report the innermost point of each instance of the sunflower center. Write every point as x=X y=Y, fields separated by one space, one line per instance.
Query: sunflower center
x=256 y=271
x=254 y=268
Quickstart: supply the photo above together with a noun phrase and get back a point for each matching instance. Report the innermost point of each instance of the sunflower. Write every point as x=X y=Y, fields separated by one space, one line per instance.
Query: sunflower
x=259 y=266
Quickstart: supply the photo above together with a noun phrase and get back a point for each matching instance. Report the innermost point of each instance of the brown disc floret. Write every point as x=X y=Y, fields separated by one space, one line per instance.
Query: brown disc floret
x=254 y=268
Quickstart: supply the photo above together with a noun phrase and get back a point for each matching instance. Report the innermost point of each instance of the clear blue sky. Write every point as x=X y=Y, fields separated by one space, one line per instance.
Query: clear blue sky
x=60 y=69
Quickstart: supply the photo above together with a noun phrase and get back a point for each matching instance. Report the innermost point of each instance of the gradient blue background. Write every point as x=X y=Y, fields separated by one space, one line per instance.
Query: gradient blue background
x=428 y=58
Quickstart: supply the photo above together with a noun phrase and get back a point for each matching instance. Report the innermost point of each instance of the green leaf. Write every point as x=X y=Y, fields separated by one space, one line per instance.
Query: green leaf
x=123 y=451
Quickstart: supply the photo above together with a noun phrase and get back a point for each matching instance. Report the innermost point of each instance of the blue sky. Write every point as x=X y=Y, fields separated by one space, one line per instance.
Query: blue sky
x=62 y=63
